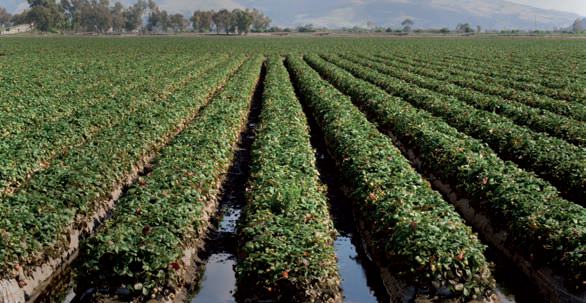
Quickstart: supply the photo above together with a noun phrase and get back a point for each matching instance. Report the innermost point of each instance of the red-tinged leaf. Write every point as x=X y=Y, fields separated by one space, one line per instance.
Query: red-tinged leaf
x=175 y=266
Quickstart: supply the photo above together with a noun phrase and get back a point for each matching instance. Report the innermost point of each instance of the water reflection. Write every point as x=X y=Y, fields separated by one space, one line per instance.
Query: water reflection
x=219 y=282
x=355 y=281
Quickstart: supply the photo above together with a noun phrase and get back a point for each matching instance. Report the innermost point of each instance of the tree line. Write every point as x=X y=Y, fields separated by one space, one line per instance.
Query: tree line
x=143 y=16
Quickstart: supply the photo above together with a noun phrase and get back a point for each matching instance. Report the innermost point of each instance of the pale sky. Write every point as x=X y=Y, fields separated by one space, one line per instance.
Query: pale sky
x=573 y=6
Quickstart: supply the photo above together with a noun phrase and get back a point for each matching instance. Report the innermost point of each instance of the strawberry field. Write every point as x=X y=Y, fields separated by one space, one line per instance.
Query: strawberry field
x=463 y=161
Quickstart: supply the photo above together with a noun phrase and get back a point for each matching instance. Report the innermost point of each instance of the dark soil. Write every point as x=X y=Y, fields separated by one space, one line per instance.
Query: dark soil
x=360 y=266
x=222 y=239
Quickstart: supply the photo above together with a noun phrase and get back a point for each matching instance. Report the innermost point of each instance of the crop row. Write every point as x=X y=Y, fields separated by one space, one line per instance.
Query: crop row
x=540 y=77
x=539 y=225
x=488 y=81
x=553 y=159
x=412 y=229
x=550 y=62
x=285 y=234
x=562 y=79
x=164 y=213
x=535 y=119
x=38 y=218
x=32 y=150
x=493 y=86
x=76 y=88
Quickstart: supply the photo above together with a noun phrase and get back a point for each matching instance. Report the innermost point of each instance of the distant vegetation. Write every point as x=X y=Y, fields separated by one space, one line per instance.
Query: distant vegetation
x=143 y=16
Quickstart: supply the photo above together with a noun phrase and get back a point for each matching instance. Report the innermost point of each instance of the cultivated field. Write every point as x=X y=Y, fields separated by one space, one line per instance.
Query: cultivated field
x=116 y=155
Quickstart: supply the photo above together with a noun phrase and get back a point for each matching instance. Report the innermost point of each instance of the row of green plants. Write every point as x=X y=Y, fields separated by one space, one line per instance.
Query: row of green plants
x=541 y=226
x=527 y=92
x=37 y=218
x=412 y=229
x=561 y=74
x=491 y=85
x=44 y=92
x=142 y=246
x=536 y=119
x=32 y=150
x=33 y=75
x=552 y=159
x=285 y=234
x=554 y=67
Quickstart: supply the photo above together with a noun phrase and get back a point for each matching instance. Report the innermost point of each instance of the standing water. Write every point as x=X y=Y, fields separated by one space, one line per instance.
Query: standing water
x=360 y=277
x=218 y=284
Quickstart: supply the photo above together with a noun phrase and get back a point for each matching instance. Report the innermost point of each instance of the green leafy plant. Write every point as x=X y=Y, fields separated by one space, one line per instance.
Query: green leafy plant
x=162 y=215
x=413 y=230
x=286 y=235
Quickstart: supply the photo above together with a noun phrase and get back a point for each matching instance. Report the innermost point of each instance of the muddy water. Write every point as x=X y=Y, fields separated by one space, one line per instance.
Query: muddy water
x=512 y=285
x=219 y=268
x=360 y=277
x=219 y=279
x=361 y=280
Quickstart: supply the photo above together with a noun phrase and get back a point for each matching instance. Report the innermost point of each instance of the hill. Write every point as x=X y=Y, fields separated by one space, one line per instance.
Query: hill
x=497 y=14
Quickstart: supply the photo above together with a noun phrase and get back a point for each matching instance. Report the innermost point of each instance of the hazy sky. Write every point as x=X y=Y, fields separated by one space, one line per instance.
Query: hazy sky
x=575 y=6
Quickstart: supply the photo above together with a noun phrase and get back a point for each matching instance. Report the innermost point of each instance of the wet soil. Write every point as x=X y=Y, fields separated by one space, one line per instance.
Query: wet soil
x=360 y=277
x=219 y=279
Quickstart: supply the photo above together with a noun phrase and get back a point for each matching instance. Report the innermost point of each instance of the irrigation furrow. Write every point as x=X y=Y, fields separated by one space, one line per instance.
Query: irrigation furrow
x=573 y=112
x=521 y=215
x=163 y=218
x=537 y=120
x=397 y=210
x=552 y=159
x=33 y=151
x=360 y=277
x=65 y=202
x=285 y=236
x=219 y=255
x=502 y=85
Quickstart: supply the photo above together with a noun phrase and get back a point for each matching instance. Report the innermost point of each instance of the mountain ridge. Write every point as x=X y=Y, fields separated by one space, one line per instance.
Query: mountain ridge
x=493 y=15
x=497 y=14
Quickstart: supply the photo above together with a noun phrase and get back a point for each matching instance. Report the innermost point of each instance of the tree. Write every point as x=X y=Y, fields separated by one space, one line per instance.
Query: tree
x=195 y=20
x=577 y=26
x=308 y=28
x=260 y=21
x=177 y=22
x=222 y=19
x=202 y=21
x=478 y=29
x=153 y=20
x=407 y=25
x=42 y=18
x=75 y=13
x=5 y=17
x=165 y=21
x=243 y=20
x=117 y=12
x=133 y=16
x=65 y=17
x=19 y=18
x=464 y=28
x=43 y=14
x=103 y=16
